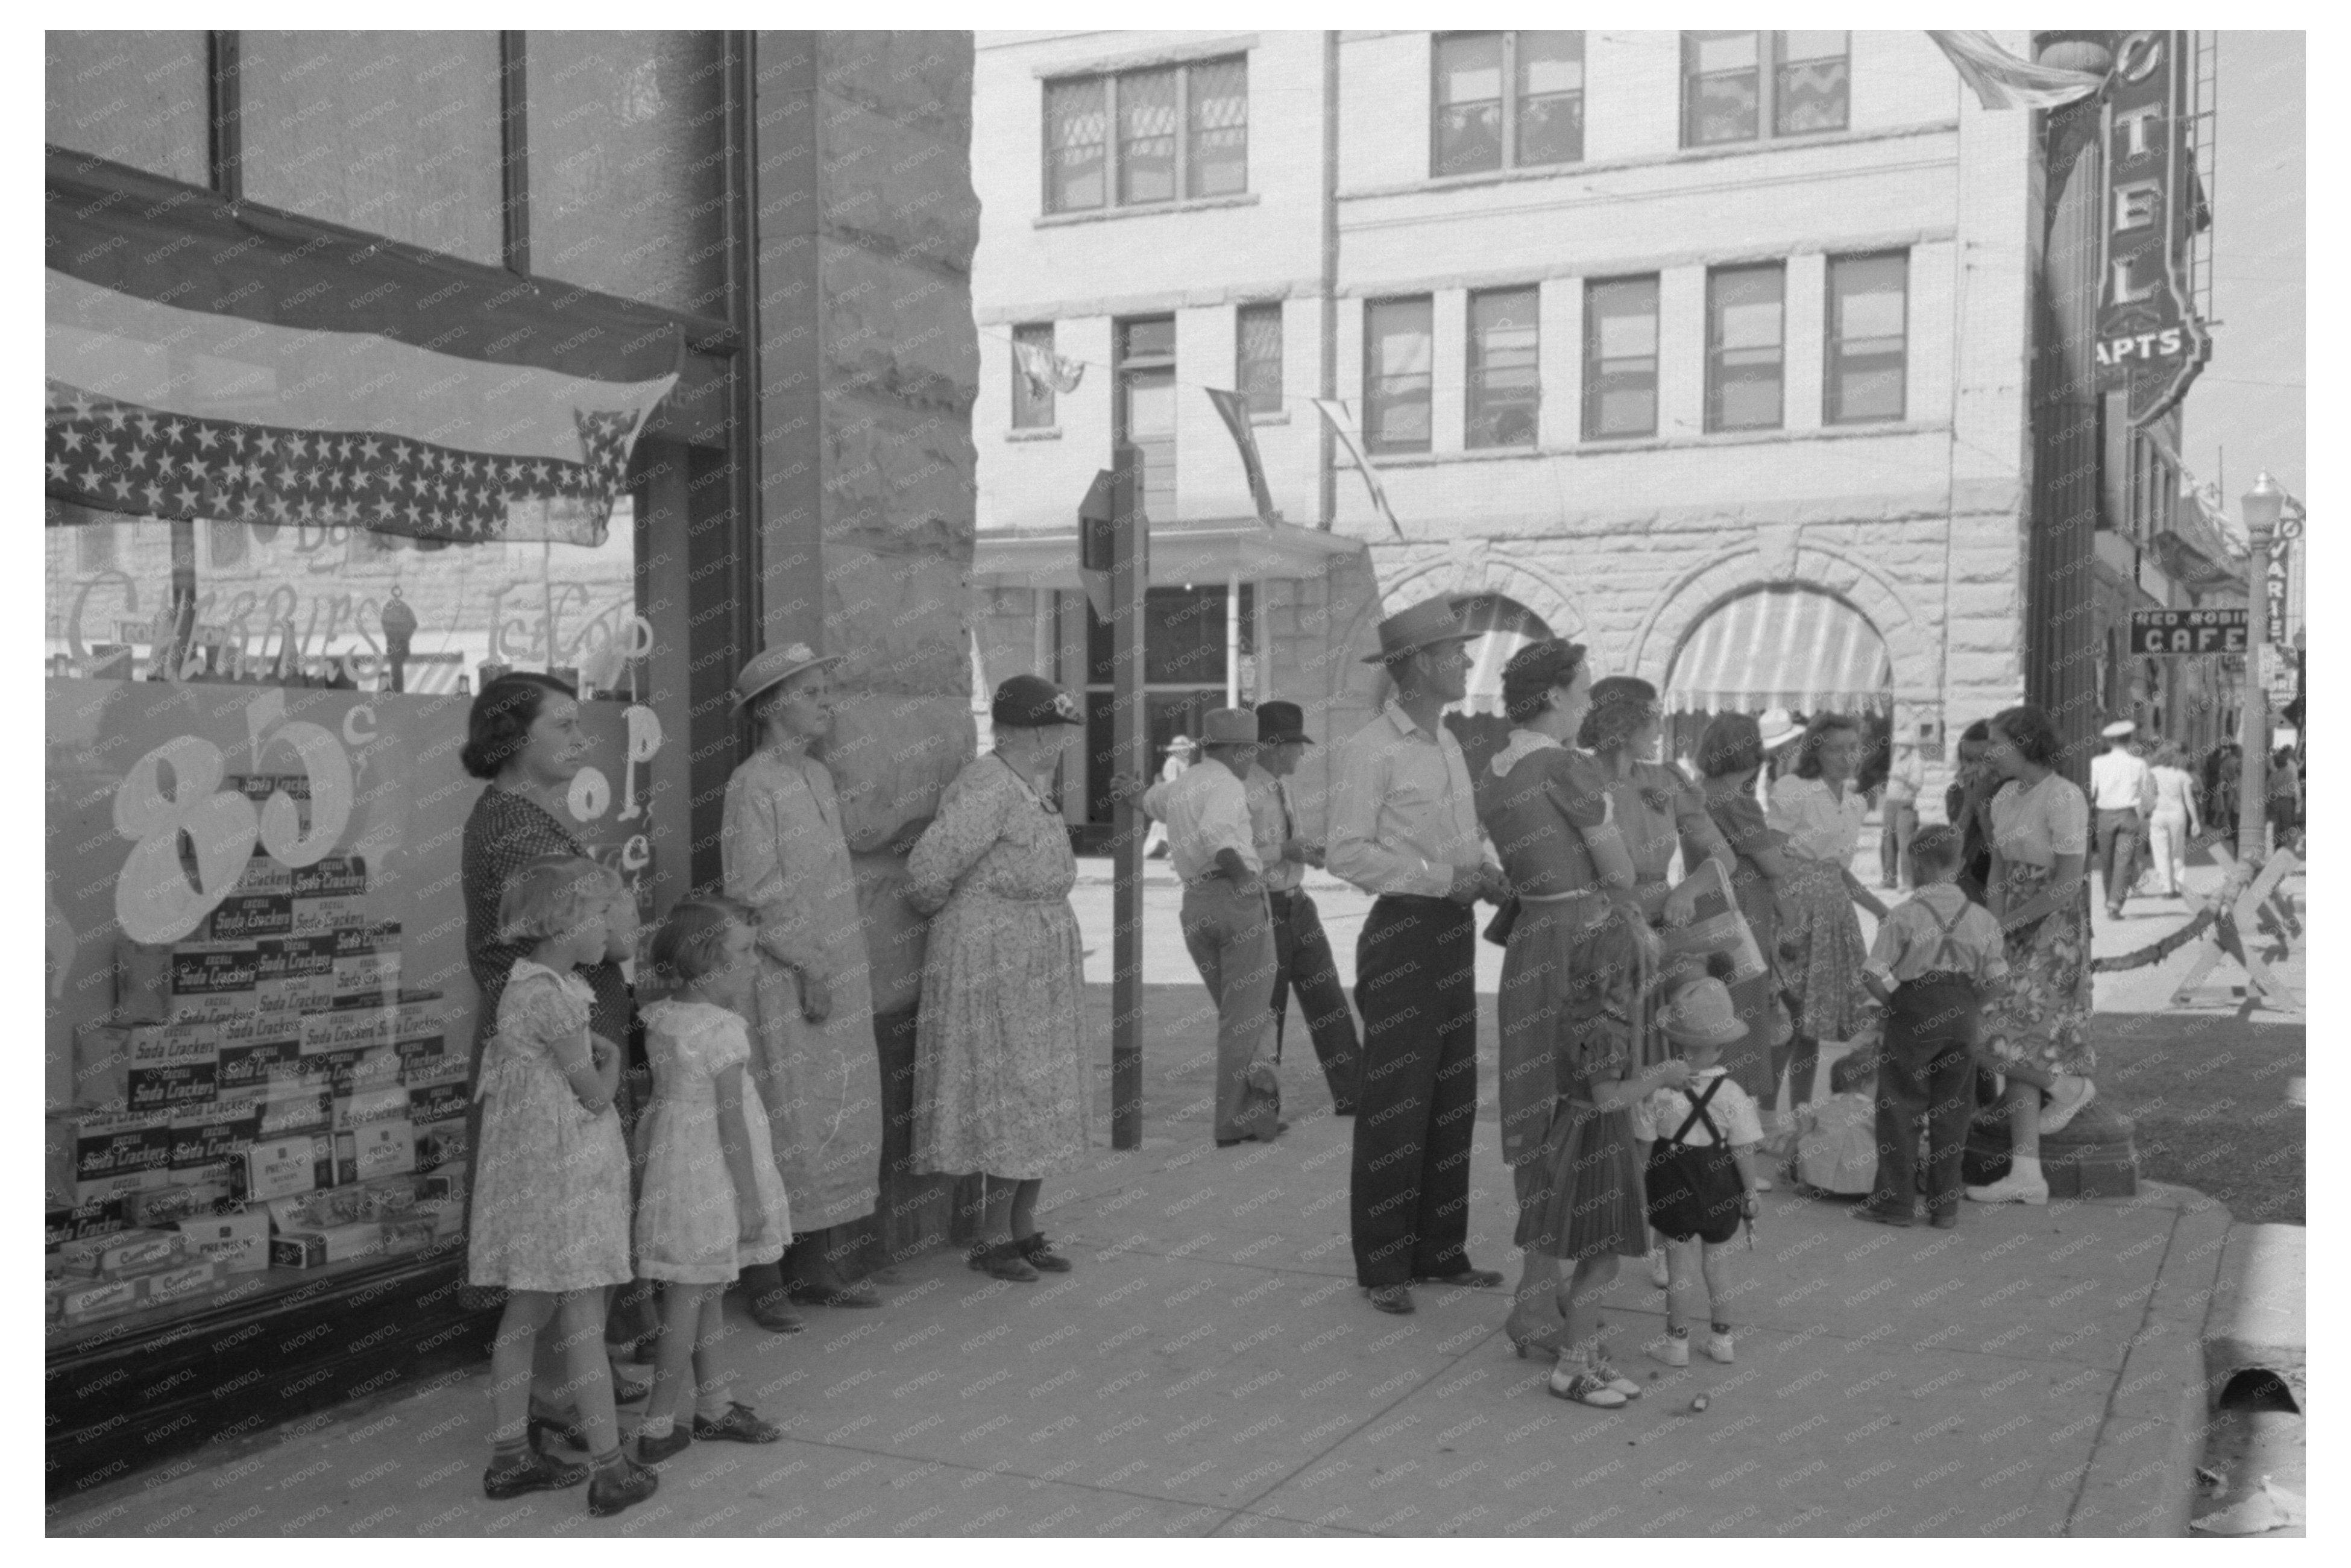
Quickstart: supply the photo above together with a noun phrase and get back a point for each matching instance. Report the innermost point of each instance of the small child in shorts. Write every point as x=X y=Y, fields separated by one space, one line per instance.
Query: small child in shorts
x=1698 y=1166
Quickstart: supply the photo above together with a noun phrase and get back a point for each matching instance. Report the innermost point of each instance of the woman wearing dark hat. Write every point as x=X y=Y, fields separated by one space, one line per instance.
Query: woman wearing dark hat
x=819 y=1074
x=1000 y=1082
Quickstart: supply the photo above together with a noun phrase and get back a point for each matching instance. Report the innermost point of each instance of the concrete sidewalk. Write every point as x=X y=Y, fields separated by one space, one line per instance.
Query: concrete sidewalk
x=1211 y=1368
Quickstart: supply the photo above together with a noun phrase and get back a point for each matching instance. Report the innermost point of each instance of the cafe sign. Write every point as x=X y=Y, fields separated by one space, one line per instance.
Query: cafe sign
x=2150 y=341
x=2155 y=633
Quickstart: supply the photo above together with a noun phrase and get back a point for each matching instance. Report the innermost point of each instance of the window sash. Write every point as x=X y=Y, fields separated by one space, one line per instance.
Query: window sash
x=1399 y=353
x=1620 y=390
x=1810 y=93
x=1257 y=354
x=1032 y=409
x=1866 y=369
x=1727 y=99
x=1504 y=371
x=1745 y=368
x=1508 y=124
x=1141 y=138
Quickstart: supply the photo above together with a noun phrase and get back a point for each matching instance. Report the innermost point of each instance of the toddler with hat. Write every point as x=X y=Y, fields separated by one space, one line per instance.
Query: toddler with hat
x=1698 y=1162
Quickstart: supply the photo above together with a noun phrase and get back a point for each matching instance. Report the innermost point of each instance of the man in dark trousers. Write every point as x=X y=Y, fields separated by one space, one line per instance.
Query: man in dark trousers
x=1403 y=827
x=1302 y=960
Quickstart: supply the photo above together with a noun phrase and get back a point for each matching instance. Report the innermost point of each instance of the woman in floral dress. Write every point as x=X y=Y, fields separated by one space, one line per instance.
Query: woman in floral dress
x=1820 y=810
x=1729 y=757
x=1001 y=1086
x=2038 y=1025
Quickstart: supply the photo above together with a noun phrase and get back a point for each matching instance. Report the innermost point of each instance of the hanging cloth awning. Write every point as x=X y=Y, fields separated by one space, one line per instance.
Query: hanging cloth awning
x=211 y=360
x=1794 y=648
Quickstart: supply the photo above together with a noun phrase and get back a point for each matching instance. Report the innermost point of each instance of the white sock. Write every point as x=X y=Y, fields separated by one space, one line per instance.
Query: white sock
x=2028 y=1165
x=710 y=1401
x=657 y=1427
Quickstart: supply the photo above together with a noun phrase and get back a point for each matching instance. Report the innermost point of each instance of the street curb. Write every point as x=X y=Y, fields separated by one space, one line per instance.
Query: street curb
x=2258 y=1321
x=2140 y=1478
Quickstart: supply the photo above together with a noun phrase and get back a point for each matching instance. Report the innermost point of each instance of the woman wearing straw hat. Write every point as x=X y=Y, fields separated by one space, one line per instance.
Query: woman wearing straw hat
x=1000 y=1083
x=819 y=1073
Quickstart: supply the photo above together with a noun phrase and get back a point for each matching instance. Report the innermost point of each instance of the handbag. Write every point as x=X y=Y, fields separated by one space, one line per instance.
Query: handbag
x=1505 y=919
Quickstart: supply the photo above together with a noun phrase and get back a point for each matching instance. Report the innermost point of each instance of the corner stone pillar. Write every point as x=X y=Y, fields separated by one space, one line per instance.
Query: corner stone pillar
x=868 y=363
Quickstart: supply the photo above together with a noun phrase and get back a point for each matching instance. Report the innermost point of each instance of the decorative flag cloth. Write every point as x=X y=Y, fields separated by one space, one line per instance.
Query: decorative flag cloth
x=2002 y=80
x=1047 y=370
x=1342 y=425
x=232 y=363
x=1235 y=408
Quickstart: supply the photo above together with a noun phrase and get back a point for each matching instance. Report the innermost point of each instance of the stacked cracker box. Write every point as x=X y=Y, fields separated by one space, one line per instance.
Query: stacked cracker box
x=269 y=1061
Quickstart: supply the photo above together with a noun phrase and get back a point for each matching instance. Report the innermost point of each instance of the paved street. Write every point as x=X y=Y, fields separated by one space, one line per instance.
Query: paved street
x=1211 y=1369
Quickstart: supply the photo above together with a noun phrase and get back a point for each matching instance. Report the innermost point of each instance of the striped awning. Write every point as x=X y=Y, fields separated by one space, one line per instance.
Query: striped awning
x=1781 y=647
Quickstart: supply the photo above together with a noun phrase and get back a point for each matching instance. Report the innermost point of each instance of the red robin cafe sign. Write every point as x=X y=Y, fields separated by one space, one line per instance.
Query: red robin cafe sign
x=2149 y=339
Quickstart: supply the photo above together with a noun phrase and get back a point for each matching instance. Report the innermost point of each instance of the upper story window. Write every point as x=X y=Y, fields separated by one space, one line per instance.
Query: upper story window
x=1257 y=356
x=1505 y=100
x=1504 y=389
x=1032 y=397
x=1867 y=321
x=1143 y=406
x=1620 y=358
x=1137 y=138
x=1735 y=85
x=1745 y=346
x=1398 y=355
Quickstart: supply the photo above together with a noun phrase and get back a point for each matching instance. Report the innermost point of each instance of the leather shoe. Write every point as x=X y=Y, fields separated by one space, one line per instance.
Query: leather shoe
x=773 y=1312
x=1394 y=1299
x=848 y=1293
x=1465 y=1277
x=1879 y=1215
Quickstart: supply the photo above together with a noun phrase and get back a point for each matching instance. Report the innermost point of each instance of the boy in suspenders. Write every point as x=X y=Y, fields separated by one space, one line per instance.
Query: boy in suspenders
x=1931 y=964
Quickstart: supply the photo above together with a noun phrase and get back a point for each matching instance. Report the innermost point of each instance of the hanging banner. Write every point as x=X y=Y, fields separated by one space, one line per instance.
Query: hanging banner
x=2149 y=338
x=1342 y=425
x=1234 y=408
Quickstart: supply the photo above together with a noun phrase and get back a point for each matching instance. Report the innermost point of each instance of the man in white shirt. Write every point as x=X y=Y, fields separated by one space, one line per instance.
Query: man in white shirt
x=1302 y=960
x=2122 y=792
x=1403 y=827
x=1228 y=928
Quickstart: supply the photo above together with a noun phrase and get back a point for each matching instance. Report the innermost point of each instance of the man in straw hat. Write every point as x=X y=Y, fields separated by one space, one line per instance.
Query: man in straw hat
x=1228 y=928
x=817 y=1069
x=1403 y=827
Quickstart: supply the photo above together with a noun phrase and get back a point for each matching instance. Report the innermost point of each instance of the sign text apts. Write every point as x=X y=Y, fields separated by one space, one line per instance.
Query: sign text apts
x=2149 y=339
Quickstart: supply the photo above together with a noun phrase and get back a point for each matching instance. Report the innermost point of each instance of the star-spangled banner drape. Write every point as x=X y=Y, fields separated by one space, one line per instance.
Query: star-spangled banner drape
x=211 y=360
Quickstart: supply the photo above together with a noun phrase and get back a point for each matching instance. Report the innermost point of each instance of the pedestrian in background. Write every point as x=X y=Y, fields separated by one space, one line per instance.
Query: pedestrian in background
x=1227 y=922
x=1905 y=776
x=1967 y=805
x=2121 y=791
x=1302 y=960
x=1403 y=827
x=2283 y=806
x=1000 y=1056
x=2174 y=822
x=1731 y=755
x=1181 y=752
x=2223 y=771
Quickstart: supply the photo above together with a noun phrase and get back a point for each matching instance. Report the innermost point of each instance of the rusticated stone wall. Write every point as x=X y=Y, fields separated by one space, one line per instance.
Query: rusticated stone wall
x=868 y=366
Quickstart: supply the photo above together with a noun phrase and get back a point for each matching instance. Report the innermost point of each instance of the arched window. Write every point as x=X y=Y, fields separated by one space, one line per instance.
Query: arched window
x=1793 y=647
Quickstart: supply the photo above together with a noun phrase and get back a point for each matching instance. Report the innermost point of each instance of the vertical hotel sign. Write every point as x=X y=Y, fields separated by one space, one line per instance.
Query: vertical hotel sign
x=2150 y=340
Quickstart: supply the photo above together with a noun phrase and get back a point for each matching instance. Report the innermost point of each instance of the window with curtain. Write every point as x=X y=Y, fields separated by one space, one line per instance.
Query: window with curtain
x=1032 y=404
x=1620 y=358
x=1399 y=354
x=1867 y=322
x=1076 y=156
x=1504 y=392
x=1505 y=100
x=1257 y=372
x=1140 y=138
x=1739 y=87
x=1745 y=357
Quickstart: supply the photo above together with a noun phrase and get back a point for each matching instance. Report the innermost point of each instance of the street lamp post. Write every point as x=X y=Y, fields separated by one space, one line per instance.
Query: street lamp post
x=2262 y=505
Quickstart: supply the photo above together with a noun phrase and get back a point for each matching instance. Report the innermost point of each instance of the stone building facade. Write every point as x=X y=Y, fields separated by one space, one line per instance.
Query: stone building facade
x=1645 y=330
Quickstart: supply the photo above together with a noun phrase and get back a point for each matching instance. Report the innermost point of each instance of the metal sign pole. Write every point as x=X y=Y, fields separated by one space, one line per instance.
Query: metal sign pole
x=1130 y=754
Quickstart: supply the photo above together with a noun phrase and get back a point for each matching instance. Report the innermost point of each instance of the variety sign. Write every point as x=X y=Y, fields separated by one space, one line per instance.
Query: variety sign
x=2149 y=339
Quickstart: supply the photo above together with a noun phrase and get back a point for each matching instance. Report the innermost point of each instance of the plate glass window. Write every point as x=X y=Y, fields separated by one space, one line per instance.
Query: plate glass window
x=1620 y=358
x=1258 y=370
x=1505 y=100
x=1398 y=359
x=1745 y=353
x=1504 y=392
x=1032 y=401
x=1867 y=307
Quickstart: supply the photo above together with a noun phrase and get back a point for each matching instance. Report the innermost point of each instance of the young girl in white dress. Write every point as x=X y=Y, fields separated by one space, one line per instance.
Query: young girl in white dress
x=713 y=1201
x=550 y=1214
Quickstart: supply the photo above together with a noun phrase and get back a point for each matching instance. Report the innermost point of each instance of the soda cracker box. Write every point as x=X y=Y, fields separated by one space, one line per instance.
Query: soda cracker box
x=329 y=896
x=208 y=1138
x=212 y=979
x=175 y=1066
x=256 y=1051
x=251 y=917
x=116 y=1152
x=294 y=975
x=367 y=965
